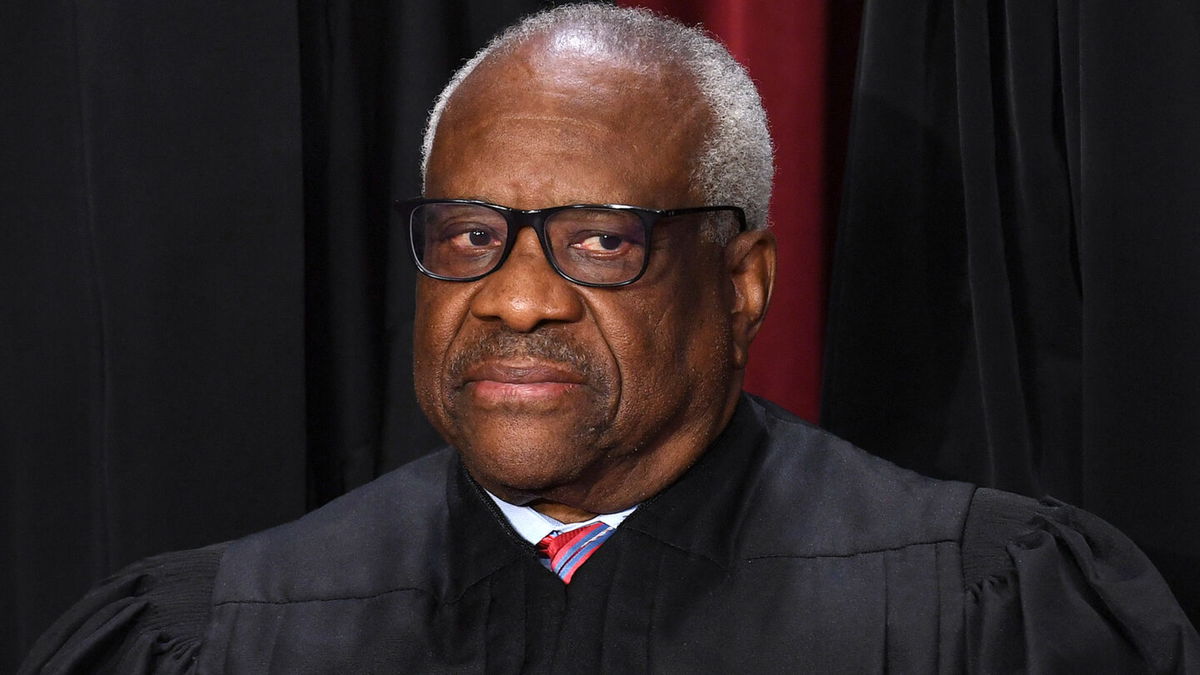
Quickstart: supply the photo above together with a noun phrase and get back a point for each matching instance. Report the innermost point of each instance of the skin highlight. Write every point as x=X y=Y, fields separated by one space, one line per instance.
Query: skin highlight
x=580 y=400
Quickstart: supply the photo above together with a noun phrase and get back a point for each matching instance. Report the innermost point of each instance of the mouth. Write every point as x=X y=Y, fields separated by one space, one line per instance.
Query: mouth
x=517 y=381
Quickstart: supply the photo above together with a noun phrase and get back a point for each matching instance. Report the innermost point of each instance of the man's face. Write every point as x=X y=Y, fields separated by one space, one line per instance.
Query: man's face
x=594 y=398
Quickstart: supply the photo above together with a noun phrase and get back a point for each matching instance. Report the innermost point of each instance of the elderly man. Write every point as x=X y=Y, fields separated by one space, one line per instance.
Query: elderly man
x=595 y=266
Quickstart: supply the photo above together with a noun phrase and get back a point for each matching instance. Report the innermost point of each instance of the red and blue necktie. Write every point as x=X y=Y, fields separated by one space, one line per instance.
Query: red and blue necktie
x=563 y=553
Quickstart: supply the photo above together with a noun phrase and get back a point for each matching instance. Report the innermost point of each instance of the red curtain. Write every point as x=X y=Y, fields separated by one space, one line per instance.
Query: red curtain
x=799 y=57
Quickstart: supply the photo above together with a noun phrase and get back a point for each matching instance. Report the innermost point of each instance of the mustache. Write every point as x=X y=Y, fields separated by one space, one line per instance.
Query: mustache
x=546 y=344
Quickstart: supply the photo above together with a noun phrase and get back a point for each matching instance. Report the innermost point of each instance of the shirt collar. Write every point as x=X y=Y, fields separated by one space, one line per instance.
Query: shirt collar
x=534 y=526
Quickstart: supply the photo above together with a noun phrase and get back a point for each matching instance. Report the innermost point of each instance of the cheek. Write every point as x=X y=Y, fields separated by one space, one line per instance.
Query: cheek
x=440 y=311
x=671 y=346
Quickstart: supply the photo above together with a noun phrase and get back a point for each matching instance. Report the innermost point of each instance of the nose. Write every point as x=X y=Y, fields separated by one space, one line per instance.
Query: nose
x=526 y=292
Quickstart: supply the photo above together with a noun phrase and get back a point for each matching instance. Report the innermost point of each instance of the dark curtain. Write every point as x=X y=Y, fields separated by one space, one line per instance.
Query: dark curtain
x=199 y=336
x=1016 y=293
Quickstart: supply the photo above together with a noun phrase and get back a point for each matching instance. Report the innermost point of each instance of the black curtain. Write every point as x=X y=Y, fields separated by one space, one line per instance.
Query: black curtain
x=199 y=336
x=1016 y=294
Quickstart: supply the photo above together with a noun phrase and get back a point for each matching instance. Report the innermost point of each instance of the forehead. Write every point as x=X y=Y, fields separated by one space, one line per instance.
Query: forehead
x=542 y=126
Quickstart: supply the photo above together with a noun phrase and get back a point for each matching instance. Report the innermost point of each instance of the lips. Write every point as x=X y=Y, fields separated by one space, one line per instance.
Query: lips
x=509 y=382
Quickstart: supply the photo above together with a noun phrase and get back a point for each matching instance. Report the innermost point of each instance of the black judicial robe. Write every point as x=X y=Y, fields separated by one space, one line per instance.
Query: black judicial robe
x=783 y=549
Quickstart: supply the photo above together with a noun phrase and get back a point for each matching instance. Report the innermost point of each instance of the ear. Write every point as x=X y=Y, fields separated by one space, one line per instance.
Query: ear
x=750 y=262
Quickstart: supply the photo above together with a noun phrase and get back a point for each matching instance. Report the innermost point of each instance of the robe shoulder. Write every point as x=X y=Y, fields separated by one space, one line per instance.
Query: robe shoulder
x=334 y=552
x=153 y=616
x=1046 y=587
x=149 y=617
x=810 y=494
x=1053 y=588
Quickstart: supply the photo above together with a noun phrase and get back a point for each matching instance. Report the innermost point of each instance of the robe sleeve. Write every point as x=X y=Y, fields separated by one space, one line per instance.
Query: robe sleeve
x=1054 y=589
x=148 y=618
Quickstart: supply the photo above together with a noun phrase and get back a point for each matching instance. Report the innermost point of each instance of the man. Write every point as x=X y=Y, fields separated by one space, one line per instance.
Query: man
x=611 y=502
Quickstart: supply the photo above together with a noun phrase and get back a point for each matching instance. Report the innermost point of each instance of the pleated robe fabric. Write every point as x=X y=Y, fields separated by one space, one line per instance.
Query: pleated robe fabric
x=783 y=549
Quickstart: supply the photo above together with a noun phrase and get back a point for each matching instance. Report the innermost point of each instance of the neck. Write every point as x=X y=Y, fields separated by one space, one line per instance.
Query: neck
x=561 y=512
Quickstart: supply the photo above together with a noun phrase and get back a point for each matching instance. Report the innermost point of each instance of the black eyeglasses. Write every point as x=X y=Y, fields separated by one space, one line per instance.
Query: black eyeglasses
x=589 y=244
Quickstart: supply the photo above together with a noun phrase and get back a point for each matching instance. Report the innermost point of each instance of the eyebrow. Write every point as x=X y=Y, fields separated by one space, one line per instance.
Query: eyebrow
x=569 y=202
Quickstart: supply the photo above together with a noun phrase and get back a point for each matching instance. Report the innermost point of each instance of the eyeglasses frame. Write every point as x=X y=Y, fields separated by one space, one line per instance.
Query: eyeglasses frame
x=517 y=219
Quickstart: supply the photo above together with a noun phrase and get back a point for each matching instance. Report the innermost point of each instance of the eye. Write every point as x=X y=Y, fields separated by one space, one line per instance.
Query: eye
x=601 y=242
x=475 y=238
x=468 y=237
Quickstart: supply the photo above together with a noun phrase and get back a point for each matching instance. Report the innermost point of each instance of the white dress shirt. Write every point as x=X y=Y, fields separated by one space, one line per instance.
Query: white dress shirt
x=534 y=526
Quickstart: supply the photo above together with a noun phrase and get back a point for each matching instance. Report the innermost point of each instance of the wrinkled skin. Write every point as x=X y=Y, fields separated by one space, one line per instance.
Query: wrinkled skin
x=581 y=400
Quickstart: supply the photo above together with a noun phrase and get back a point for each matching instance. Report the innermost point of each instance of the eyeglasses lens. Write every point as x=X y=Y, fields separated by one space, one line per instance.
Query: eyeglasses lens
x=458 y=241
x=597 y=246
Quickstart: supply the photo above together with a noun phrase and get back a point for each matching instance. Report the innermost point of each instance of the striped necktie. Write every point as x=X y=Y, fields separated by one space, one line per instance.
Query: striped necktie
x=564 y=553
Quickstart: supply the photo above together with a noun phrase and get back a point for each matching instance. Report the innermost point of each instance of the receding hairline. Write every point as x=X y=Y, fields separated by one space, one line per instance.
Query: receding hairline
x=545 y=57
x=673 y=95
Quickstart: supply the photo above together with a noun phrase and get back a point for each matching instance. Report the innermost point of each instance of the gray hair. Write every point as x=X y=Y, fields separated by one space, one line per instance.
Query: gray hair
x=736 y=163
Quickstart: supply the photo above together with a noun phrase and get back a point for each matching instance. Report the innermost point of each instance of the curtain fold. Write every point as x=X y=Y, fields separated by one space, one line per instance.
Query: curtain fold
x=1015 y=283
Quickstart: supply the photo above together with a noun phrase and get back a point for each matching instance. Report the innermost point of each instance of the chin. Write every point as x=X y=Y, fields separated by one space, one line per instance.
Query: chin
x=526 y=467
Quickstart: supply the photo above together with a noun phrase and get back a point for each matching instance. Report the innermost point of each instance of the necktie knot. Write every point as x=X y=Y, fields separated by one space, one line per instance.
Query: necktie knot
x=563 y=553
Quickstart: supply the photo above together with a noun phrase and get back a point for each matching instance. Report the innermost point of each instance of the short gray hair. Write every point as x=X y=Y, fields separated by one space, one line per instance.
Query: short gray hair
x=736 y=163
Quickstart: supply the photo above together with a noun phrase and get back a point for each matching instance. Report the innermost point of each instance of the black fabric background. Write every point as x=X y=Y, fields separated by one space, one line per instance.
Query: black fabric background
x=1016 y=292
x=193 y=270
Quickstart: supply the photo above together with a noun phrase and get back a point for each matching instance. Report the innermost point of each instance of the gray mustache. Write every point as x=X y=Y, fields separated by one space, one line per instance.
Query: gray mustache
x=543 y=345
